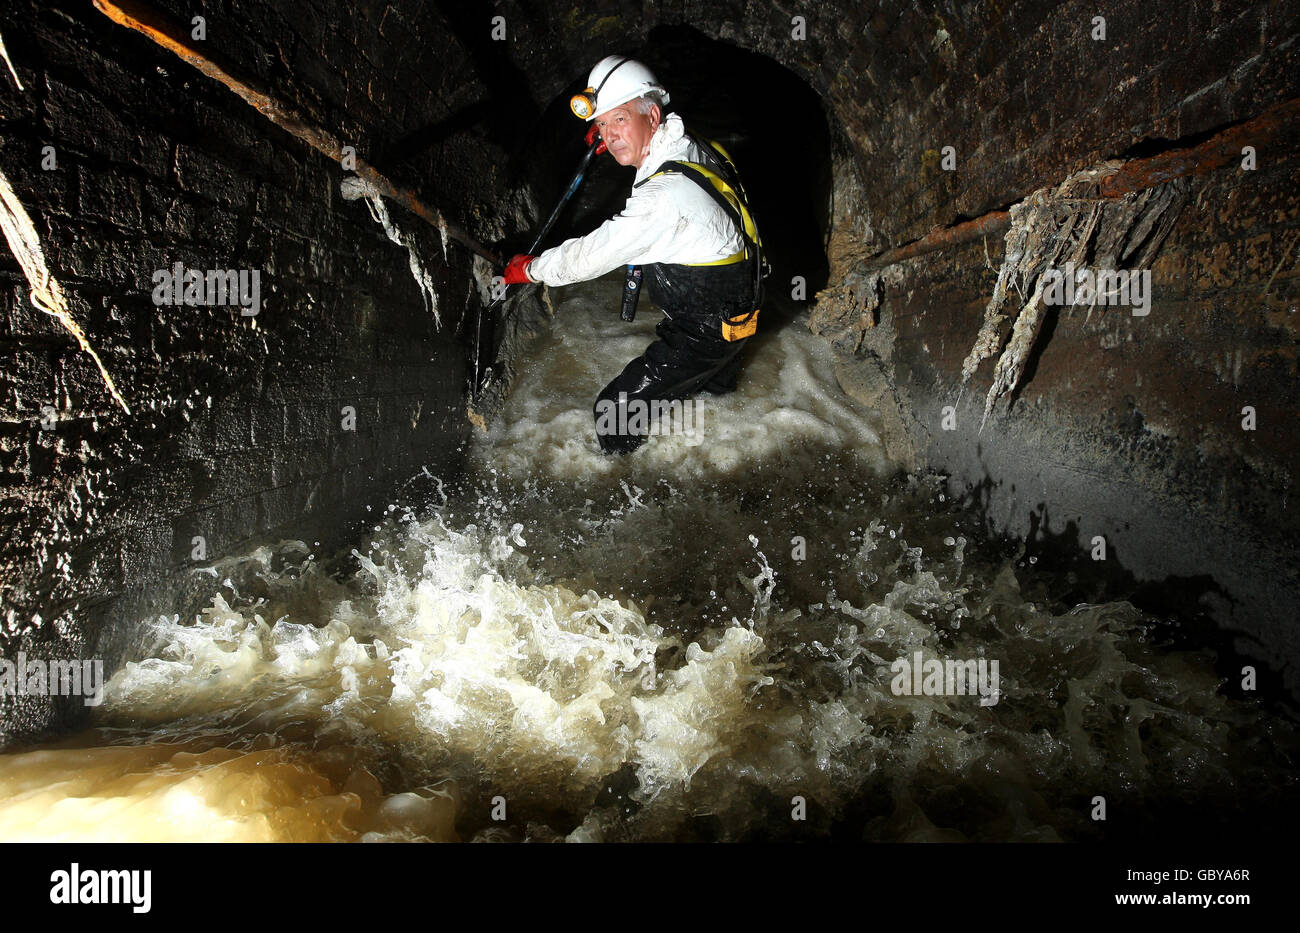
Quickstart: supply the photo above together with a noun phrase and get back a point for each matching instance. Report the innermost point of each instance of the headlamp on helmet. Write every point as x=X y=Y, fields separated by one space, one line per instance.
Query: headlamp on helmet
x=633 y=82
x=584 y=105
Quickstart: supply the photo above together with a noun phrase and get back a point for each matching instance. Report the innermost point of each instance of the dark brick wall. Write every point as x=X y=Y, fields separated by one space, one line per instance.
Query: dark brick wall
x=1127 y=427
x=1131 y=427
x=235 y=431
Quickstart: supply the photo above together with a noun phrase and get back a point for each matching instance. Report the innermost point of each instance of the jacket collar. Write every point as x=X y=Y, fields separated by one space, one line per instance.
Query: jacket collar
x=668 y=142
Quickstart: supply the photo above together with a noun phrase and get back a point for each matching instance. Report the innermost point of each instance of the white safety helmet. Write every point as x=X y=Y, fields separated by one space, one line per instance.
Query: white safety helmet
x=615 y=80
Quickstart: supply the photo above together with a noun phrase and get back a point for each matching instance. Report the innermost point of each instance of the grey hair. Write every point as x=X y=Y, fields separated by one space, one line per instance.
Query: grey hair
x=649 y=99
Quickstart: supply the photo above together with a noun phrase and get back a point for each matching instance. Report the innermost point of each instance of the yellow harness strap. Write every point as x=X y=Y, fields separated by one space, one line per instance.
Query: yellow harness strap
x=751 y=230
x=746 y=325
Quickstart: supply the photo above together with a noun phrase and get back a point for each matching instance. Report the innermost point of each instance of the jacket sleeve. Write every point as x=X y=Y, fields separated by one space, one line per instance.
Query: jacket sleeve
x=648 y=222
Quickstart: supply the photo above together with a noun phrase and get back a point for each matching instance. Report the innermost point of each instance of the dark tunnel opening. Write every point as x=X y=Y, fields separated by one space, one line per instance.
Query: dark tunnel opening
x=356 y=567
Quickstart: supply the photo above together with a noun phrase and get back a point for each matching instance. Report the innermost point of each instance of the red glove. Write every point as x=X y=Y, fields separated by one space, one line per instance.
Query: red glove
x=591 y=135
x=516 y=270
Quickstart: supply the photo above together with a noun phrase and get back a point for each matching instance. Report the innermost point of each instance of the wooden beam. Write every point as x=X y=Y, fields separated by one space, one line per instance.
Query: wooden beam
x=172 y=37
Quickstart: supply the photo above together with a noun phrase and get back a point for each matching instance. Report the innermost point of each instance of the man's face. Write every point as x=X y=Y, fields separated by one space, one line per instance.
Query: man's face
x=627 y=132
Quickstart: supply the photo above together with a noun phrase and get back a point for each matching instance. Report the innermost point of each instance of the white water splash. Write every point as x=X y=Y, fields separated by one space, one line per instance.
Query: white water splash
x=632 y=649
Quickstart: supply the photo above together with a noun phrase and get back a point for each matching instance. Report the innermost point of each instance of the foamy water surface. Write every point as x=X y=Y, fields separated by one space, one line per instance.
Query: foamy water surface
x=681 y=644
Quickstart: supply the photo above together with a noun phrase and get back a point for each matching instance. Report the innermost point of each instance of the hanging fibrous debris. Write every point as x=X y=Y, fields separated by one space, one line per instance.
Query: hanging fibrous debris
x=46 y=292
x=354 y=187
x=4 y=53
x=1069 y=227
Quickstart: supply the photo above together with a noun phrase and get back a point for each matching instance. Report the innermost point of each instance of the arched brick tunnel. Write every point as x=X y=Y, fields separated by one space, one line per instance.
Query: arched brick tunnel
x=1165 y=435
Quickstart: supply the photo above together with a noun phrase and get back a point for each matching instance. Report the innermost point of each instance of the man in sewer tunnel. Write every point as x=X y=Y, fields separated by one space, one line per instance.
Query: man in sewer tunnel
x=687 y=225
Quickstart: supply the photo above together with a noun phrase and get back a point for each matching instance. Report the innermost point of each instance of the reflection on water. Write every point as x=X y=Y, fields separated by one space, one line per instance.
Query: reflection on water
x=161 y=793
x=683 y=644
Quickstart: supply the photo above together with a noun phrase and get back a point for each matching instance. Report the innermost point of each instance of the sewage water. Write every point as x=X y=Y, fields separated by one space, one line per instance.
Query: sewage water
x=691 y=643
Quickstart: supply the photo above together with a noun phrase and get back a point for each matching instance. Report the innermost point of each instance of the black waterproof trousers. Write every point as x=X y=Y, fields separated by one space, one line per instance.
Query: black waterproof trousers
x=689 y=355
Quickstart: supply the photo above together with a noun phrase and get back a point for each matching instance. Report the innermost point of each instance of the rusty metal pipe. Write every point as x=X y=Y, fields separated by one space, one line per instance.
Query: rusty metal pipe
x=1217 y=151
x=139 y=17
x=992 y=222
x=1135 y=175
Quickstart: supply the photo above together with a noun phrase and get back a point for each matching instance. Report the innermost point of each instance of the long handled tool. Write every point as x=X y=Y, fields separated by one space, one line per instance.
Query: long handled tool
x=481 y=373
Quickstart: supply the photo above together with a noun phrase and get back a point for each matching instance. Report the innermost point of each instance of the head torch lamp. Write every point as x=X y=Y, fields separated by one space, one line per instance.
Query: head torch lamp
x=583 y=104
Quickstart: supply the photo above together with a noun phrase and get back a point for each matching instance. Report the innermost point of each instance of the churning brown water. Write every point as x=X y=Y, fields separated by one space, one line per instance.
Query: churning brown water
x=683 y=644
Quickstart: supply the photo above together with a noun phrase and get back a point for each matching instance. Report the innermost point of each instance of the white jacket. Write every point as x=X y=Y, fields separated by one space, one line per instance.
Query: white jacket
x=668 y=219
